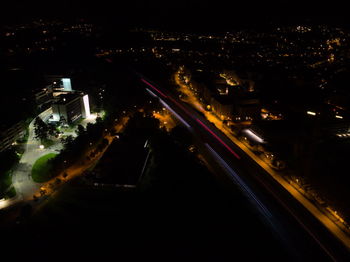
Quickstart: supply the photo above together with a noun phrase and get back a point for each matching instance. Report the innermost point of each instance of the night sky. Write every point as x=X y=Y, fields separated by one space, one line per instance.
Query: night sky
x=181 y=14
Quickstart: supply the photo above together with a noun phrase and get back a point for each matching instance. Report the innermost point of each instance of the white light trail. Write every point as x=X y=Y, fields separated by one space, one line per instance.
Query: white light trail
x=311 y=113
x=152 y=94
x=240 y=182
x=175 y=114
x=254 y=136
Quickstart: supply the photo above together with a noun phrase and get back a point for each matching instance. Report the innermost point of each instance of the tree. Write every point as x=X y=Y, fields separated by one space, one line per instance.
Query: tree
x=80 y=130
x=41 y=129
x=8 y=159
x=68 y=141
x=52 y=130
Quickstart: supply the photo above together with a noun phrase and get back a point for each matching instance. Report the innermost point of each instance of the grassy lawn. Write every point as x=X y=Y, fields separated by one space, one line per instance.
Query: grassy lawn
x=41 y=168
x=68 y=129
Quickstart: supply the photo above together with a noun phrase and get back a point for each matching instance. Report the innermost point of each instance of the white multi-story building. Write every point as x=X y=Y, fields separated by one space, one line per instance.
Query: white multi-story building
x=70 y=107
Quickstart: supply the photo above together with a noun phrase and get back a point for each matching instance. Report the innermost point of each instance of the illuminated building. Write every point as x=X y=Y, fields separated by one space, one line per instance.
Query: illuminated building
x=66 y=84
x=70 y=107
x=43 y=97
x=9 y=134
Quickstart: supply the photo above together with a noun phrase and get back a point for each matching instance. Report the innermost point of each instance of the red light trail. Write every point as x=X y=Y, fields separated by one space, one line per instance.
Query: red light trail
x=218 y=138
x=153 y=87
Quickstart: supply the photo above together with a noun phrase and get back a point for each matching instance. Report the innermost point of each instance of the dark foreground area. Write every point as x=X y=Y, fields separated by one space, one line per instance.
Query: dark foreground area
x=86 y=223
x=178 y=212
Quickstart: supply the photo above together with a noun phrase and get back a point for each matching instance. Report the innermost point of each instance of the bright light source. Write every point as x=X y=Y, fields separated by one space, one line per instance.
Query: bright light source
x=67 y=86
x=340 y=117
x=41 y=147
x=86 y=106
x=92 y=116
x=254 y=136
x=311 y=113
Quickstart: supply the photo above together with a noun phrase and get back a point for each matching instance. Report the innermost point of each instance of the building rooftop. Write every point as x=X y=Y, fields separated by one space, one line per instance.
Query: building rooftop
x=67 y=98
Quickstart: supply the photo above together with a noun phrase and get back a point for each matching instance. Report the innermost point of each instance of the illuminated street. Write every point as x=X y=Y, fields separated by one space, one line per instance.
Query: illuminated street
x=25 y=187
x=80 y=167
x=187 y=131
x=321 y=215
x=192 y=119
x=22 y=179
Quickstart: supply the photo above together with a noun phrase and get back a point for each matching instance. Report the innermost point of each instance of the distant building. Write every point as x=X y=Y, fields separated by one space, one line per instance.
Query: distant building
x=57 y=85
x=222 y=107
x=43 y=97
x=9 y=134
x=235 y=107
x=70 y=107
x=228 y=97
x=247 y=109
x=283 y=138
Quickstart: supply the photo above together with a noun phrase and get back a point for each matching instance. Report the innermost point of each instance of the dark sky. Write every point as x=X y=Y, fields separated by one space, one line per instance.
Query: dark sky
x=180 y=13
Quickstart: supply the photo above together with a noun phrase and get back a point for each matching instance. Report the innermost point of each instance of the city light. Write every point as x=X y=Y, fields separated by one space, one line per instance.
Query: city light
x=311 y=113
x=340 y=117
x=254 y=136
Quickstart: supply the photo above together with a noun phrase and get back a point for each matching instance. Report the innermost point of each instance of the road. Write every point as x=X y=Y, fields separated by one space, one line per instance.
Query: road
x=21 y=177
x=299 y=229
x=83 y=164
x=327 y=217
x=22 y=180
